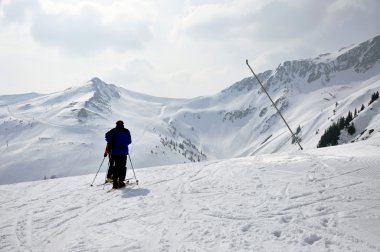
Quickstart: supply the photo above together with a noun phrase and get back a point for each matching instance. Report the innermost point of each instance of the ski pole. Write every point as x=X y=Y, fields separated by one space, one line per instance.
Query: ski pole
x=98 y=171
x=126 y=169
x=134 y=174
x=274 y=105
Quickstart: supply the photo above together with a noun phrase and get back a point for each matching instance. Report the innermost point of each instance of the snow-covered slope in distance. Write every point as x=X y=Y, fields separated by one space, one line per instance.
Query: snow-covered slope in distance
x=324 y=199
x=62 y=134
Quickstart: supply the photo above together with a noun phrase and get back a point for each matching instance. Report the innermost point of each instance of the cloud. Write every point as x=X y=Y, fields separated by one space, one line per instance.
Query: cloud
x=350 y=20
x=137 y=72
x=276 y=30
x=214 y=21
x=250 y=19
x=274 y=19
x=142 y=76
x=180 y=48
x=83 y=28
x=17 y=11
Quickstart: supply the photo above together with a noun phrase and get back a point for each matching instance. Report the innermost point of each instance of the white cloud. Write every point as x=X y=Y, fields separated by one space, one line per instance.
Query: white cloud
x=214 y=21
x=175 y=48
x=278 y=28
x=253 y=20
x=84 y=27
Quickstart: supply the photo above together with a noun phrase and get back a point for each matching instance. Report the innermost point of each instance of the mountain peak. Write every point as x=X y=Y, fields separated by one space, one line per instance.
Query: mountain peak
x=95 y=80
x=100 y=101
x=104 y=89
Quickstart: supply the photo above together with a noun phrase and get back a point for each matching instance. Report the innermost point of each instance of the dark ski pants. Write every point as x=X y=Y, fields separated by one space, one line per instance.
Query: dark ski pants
x=119 y=167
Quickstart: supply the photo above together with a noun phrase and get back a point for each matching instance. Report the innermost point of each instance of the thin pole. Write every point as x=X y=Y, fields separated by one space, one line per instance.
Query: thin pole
x=98 y=171
x=274 y=105
x=134 y=174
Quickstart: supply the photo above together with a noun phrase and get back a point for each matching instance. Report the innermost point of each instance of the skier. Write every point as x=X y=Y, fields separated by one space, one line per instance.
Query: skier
x=118 y=140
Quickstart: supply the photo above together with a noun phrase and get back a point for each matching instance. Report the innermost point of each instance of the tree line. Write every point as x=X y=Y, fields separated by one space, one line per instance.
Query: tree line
x=332 y=133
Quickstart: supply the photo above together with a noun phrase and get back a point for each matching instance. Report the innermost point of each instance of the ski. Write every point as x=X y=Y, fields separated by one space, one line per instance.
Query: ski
x=127 y=181
x=127 y=184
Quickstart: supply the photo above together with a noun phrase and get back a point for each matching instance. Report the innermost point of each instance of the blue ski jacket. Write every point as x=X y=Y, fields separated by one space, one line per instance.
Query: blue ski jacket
x=118 y=140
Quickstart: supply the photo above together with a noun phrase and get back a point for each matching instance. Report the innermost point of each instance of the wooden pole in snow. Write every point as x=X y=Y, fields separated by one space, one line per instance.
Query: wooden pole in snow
x=287 y=125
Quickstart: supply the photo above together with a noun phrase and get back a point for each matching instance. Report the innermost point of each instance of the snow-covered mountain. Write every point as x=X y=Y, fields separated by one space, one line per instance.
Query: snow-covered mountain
x=62 y=134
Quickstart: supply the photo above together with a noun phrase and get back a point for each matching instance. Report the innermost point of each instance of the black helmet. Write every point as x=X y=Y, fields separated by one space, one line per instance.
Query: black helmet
x=120 y=122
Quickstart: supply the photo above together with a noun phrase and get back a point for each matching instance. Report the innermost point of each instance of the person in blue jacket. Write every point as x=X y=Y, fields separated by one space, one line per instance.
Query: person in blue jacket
x=118 y=140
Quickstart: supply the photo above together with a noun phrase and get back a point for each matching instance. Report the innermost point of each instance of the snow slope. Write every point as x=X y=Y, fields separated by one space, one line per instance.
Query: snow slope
x=316 y=200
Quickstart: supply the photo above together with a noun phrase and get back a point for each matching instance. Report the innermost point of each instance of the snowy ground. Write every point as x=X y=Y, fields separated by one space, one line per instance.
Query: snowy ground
x=317 y=200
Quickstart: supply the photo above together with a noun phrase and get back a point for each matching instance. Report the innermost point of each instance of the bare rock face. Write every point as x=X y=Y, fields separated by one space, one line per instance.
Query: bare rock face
x=321 y=69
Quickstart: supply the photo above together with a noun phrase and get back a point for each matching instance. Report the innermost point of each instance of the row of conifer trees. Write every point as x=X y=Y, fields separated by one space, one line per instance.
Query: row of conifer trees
x=332 y=133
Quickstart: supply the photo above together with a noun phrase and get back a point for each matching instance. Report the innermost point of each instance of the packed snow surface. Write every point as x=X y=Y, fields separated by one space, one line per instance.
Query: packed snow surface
x=316 y=200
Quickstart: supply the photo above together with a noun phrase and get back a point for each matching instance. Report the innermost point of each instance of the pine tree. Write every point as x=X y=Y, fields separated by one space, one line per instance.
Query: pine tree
x=374 y=97
x=298 y=130
x=351 y=129
x=348 y=119
x=355 y=113
x=341 y=122
x=330 y=137
x=335 y=135
x=362 y=108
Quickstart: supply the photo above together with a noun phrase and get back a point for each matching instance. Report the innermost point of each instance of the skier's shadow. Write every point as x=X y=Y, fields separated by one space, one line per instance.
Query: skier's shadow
x=129 y=192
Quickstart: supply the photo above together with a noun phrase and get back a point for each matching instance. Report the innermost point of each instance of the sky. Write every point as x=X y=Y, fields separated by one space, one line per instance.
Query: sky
x=168 y=48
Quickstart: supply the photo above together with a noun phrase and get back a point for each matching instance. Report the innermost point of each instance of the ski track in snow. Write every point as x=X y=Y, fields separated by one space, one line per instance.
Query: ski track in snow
x=302 y=201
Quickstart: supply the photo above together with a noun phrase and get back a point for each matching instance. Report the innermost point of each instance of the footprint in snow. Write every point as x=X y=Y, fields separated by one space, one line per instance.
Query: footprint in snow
x=245 y=228
x=324 y=222
x=311 y=239
x=285 y=219
x=277 y=233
